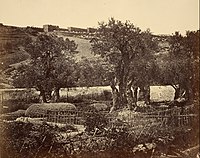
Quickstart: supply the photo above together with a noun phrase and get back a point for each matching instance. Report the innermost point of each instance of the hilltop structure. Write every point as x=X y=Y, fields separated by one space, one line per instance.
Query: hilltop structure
x=51 y=28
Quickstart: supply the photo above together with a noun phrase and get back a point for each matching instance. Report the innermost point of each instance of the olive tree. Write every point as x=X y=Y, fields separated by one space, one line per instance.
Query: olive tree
x=50 y=67
x=121 y=44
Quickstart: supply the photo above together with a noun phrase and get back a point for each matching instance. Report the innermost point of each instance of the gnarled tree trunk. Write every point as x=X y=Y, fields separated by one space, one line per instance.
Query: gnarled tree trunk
x=43 y=96
x=115 y=96
x=147 y=94
x=56 y=95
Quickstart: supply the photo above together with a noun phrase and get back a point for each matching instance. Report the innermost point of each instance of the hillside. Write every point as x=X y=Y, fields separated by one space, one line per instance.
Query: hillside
x=11 y=55
x=84 y=46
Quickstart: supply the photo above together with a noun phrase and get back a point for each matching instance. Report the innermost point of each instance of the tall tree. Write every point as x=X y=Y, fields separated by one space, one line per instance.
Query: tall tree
x=121 y=43
x=50 y=66
x=182 y=62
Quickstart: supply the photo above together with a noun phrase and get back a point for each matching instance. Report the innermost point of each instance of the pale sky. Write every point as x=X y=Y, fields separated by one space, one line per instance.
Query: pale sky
x=161 y=16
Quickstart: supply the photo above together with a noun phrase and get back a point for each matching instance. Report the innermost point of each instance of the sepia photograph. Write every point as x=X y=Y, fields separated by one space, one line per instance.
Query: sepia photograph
x=99 y=79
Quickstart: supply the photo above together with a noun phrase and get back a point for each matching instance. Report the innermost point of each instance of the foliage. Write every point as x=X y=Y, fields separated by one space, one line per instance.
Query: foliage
x=178 y=69
x=121 y=44
x=93 y=72
x=51 y=65
x=95 y=121
x=29 y=140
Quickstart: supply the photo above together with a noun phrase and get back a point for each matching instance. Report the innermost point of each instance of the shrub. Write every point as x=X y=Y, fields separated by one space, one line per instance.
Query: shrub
x=95 y=120
x=22 y=140
x=41 y=109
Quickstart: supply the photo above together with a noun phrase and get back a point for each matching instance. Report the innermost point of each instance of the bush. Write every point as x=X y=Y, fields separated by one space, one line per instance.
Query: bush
x=26 y=140
x=95 y=120
x=41 y=109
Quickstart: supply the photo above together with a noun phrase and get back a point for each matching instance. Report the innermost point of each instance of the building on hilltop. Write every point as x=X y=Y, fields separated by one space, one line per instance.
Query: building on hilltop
x=50 y=28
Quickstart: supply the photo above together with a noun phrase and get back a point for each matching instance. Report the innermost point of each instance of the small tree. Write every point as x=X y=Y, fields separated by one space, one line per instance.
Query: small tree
x=50 y=66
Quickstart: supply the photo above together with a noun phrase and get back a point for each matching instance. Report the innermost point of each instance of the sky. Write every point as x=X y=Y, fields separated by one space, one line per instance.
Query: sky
x=161 y=16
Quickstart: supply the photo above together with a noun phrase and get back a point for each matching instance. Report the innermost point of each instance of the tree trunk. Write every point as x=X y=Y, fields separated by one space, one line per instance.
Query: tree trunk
x=122 y=94
x=56 y=95
x=48 y=95
x=115 y=96
x=43 y=96
x=177 y=92
x=141 y=93
x=135 y=94
x=115 y=99
x=147 y=94
x=130 y=99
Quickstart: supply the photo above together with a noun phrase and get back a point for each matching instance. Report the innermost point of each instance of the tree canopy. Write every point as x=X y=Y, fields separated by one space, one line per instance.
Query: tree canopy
x=51 y=65
x=122 y=44
x=180 y=67
x=93 y=72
